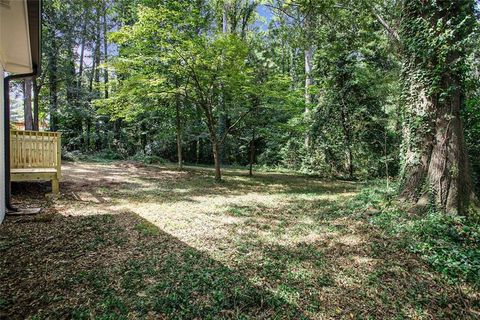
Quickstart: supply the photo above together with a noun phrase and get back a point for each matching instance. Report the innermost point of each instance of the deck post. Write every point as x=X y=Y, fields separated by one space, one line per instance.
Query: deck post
x=59 y=155
x=55 y=186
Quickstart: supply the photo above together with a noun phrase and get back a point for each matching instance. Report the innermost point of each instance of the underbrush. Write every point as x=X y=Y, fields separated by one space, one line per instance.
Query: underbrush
x=450 y=244
x=146 y=159
x=101 y=156
x=110 y=155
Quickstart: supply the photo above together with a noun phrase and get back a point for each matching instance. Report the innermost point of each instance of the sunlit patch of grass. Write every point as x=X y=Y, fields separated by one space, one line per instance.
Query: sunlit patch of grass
x=169 y=244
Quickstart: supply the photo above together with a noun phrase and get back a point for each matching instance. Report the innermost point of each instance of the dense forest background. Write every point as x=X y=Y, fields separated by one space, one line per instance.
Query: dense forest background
x=332 y=88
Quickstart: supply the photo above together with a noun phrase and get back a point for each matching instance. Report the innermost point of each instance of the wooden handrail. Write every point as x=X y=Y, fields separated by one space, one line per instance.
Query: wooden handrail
x=35 y=149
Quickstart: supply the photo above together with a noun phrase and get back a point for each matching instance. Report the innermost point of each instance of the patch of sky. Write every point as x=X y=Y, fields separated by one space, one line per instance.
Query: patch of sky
x=266 y=15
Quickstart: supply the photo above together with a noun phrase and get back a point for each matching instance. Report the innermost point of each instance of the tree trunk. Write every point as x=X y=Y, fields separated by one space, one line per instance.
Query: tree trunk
x=308 y=76
x=216 y=159
x=96 y=93
x=36 y=111
x=88 y=140
x=105 y=49
x=308 y=57
x=82 y=48
x=197 y=150
x=27 y=104
x=436 y=171
x=79 y=92
x=178 y=121
x=252 y=154
x=98 y=140
x=117 y=130
x=222 y=119
x=72 y=94
x=347 y=132
x=308 y=85
x=52 y=78
x=385 y=155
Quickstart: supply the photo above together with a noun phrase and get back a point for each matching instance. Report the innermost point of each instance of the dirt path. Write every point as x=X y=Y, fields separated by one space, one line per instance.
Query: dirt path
x=132 y=241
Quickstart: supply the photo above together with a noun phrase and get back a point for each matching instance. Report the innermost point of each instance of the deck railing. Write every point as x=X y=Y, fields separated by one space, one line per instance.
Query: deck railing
x=35 y=155
x=35 y=149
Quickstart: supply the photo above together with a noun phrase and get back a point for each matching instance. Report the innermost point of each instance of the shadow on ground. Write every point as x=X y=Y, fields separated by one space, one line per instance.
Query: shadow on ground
x=118 y=265
x=128 y=241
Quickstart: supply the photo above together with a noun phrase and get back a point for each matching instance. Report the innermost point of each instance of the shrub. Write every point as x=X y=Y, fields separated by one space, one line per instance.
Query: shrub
x=450 y=244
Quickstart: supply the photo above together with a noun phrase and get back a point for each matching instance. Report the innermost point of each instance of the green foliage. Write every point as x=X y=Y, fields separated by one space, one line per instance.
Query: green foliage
x=147 y=228
x=451 y=245
x=472 y=135
x=437 y=39
x=168 y=70
x=147 y=159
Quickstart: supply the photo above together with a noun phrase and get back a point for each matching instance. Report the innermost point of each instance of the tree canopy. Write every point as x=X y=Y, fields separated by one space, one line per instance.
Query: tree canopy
x=354 y=90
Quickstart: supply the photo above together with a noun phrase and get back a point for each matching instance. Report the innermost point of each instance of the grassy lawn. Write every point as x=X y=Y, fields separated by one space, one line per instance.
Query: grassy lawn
x=127 y=241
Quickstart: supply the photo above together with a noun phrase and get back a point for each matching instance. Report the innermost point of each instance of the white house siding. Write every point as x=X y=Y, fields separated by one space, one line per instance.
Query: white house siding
x=2 y=150
x=15 y=57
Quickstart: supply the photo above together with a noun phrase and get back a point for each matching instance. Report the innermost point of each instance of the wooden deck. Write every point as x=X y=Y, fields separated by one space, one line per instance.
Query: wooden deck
x=36 y=155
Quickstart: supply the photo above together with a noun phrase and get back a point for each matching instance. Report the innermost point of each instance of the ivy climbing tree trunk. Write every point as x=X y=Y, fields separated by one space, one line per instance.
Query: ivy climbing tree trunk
x=436 y=171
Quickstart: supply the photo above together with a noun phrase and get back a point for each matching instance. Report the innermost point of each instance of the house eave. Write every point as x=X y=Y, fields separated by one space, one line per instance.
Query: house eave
x=20 y=35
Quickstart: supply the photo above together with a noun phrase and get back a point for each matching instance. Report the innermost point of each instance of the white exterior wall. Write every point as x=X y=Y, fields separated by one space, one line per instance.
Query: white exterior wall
x=15 y=57
x=2 y=150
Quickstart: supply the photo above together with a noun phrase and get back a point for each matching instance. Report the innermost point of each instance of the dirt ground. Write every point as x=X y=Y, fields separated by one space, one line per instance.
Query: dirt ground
x=128 y=241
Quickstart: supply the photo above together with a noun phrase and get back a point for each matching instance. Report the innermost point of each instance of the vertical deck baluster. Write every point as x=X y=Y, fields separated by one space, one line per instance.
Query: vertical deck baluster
x=28 y=149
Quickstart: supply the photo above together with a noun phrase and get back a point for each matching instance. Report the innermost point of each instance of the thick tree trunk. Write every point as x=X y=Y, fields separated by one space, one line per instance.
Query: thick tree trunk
x=36 y=109
x=27 y=104
x=436 y=171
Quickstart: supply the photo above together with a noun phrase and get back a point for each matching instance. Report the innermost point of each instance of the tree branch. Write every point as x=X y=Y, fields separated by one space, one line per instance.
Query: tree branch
x=234 y=125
